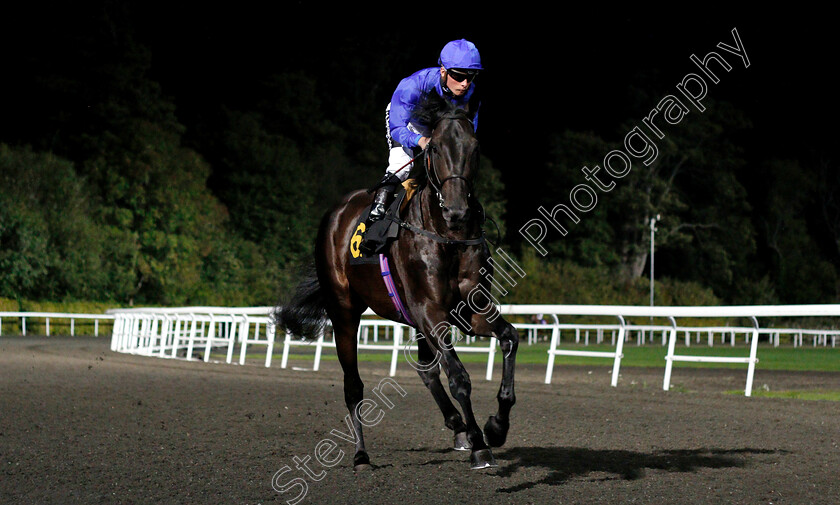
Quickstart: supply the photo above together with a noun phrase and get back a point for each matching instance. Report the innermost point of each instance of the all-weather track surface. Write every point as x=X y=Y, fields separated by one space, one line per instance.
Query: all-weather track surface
x=81 y=424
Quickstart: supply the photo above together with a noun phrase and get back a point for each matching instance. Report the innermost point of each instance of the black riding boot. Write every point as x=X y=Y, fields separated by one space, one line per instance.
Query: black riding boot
x=374 y=240
x=384 y=189
x=380 y=201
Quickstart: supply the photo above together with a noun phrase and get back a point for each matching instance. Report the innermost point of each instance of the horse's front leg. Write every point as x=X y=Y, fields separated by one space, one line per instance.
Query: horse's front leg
x=429 y=371
x=479 y=308
x=496 y=428
x=460 y=387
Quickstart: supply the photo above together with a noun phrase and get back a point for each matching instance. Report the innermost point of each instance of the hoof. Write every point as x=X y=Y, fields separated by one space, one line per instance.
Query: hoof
x=495 y=432
x=462 y=443
x=482 y=458
x=362 y=467
x=361 y=462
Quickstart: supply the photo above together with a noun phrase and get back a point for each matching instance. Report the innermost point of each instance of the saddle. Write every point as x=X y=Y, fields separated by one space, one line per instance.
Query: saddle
x=381 y=233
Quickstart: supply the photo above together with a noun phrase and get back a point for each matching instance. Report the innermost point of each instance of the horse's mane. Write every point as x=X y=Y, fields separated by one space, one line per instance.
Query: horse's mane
x=428 y=111
x=432 y=108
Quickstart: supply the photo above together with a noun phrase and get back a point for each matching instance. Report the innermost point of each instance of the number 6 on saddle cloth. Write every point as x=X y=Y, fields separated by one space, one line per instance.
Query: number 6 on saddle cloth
x=378 y=235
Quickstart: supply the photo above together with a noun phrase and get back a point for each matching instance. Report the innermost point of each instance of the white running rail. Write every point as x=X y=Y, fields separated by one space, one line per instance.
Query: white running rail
x=672 y=313
x=166 y=332
x=47 y=316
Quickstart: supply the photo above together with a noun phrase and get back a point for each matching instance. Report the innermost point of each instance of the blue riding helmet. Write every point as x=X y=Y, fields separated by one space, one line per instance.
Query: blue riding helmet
x=460 y=54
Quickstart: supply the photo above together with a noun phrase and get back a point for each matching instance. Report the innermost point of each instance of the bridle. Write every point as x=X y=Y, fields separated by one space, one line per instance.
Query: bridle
x=431 y=177
x=431 y=172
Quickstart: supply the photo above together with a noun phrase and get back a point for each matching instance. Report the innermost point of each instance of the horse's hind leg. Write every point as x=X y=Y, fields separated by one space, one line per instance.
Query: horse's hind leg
x=429 y=371
x=345 y=328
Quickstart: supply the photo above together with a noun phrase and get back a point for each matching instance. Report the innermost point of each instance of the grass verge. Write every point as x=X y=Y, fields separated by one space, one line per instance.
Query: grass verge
x=825 y=395
x=769 y=358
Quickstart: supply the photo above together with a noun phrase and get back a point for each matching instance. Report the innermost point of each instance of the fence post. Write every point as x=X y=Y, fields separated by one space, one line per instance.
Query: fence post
x=491 y=356
x=114 y=331
x=549 y=368
x=395 y=353
x=176 y=338
x=269 y=337
x=669 y=358
x=753 y=358
x=285 y=359
x=143 y=335
x=319 y=346
x=164 y=334
x=231 y=337
x=211 y=333
x=244 y=332
x=619 y=349
x=191 y=342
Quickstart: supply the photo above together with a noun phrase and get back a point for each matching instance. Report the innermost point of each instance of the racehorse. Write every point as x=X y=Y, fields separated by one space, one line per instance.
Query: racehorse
x=439 y=265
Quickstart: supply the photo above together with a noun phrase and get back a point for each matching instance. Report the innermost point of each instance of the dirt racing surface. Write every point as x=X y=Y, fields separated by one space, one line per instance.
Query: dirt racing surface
x=81 y=424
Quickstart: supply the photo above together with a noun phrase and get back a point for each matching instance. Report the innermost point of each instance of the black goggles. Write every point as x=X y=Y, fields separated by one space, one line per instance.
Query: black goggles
x=460 y=75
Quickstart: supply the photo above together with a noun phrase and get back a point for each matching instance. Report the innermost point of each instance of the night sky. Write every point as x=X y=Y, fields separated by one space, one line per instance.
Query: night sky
x=545 y=70
x=542 y=69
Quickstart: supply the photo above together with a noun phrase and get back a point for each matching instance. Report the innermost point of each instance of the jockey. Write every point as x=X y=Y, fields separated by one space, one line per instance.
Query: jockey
x=459 y=64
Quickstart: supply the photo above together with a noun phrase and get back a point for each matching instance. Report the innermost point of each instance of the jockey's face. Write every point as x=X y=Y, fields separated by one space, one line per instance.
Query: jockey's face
x=457 y=82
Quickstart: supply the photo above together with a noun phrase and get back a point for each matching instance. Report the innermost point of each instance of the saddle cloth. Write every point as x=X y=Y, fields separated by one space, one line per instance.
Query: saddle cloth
x=381 y=232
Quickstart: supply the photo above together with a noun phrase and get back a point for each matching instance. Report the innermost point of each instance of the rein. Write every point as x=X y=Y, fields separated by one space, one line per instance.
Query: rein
x=436 y=237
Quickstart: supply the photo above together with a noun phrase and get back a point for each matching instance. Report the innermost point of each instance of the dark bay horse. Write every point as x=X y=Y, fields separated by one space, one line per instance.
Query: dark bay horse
x=440 y=267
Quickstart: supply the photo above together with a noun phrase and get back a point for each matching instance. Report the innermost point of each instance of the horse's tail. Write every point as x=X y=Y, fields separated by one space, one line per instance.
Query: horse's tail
x=305 y=314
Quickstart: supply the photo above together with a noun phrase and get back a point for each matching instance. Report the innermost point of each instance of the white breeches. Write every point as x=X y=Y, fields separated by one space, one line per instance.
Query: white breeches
x=399 y=159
